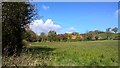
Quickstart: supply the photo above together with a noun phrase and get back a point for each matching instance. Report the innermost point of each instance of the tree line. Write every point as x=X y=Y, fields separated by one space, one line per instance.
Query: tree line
x=52 y=36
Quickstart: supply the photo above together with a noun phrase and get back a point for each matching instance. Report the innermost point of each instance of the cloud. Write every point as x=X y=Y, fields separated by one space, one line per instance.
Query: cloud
x=69 y=32
x=71 y=29
x=39 y=26
x=45 y=7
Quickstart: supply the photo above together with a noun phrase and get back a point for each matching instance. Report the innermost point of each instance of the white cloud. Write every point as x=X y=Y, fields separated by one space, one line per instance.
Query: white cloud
x=69 y=32
x=45 y=7
x=71 y=29
x=39 y=26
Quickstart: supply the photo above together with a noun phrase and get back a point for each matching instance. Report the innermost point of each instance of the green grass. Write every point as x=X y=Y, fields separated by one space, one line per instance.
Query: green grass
x=82 y=53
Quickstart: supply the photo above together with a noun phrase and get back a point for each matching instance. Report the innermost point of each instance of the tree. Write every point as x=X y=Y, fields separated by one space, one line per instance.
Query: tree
x=66 y=37
x=29 y=35
x=97 y=31
x=58 y=37
x=96 y=37
x=52 y=36
x=69 y=37
x=32 y=37
x=108 y=32
x=115 y=29
x=88 y=36
x=63 y=37
x=14 y=16
x=43 y=37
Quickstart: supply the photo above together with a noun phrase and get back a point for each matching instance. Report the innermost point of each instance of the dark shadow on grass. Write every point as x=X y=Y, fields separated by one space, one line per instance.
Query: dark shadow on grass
x=38 y=48
x=34 y=50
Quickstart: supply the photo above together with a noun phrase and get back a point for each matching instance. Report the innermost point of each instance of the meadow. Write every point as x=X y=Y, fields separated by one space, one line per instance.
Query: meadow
x=81 y=53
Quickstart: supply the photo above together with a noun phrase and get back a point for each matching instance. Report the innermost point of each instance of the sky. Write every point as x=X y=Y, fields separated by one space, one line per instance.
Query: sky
x=67 y=17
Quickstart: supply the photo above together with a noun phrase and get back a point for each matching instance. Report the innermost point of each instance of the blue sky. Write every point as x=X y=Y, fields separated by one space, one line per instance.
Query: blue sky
x=75 y=16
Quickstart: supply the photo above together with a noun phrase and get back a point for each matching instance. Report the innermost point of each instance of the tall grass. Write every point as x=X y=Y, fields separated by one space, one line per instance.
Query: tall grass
x=84 y=53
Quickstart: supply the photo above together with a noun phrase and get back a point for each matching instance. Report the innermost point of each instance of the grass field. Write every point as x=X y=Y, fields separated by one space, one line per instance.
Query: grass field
x=82 y=53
